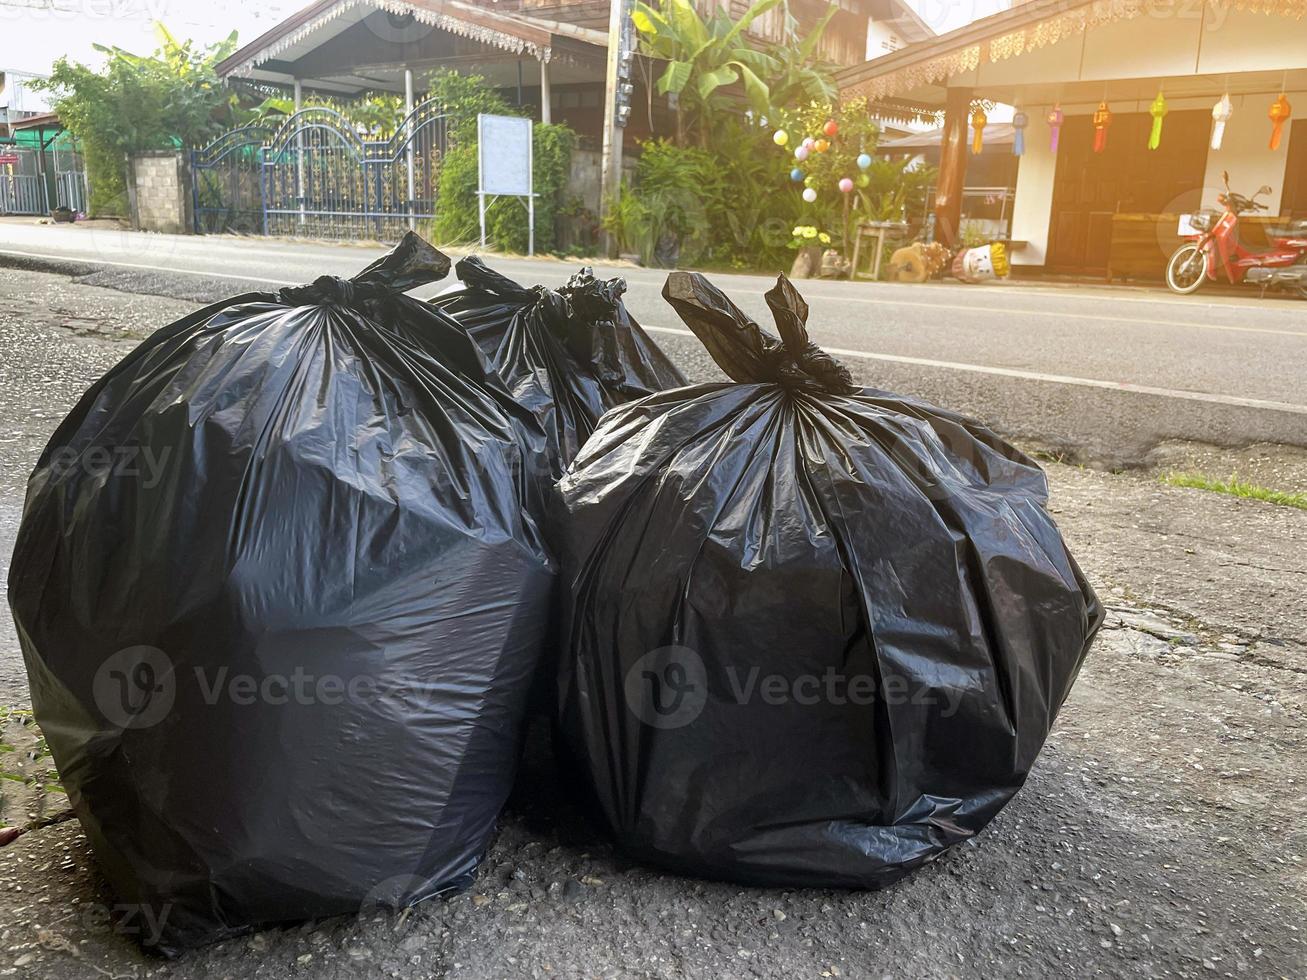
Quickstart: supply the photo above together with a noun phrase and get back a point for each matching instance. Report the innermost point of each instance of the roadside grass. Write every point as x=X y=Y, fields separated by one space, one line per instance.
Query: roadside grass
x=1235 y=487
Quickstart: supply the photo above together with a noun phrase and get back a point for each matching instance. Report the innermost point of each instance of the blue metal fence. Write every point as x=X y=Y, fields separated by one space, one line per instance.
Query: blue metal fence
x=315 y=176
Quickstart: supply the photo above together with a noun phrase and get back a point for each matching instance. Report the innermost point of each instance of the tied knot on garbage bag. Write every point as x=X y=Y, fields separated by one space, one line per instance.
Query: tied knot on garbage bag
x=413 y=262
x=567 y=354
x=743 y=349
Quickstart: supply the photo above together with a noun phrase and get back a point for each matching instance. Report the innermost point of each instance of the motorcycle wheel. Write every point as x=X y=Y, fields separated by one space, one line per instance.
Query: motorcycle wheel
x=1187 y=269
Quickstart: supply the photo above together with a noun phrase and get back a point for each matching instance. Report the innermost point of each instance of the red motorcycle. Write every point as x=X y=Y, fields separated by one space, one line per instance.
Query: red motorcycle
x=1214 y=248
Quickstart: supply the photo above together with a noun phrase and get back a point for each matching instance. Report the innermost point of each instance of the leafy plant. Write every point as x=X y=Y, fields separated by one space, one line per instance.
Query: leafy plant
x=375 y=116
x=171 y=98
x=703 y=57
x=795 y=73
x=464 y=97
x=665 y=215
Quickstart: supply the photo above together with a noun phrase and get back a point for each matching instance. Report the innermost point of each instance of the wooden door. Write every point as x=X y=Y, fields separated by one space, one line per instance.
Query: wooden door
x=1127 y=177
x=1293 y=202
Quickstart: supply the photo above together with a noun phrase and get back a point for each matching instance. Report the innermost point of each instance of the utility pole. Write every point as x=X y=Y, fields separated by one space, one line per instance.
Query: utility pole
x=617 y=107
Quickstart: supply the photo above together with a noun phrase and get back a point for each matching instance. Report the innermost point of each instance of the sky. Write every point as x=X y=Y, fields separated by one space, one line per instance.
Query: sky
x=33 y=33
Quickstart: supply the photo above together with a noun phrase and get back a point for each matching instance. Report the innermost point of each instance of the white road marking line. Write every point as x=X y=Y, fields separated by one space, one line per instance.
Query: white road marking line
x=1197 y=396
x=1059 y=315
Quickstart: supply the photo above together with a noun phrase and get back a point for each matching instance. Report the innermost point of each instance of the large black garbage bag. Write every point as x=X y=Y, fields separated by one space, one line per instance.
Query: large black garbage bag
x=280 y=605
x=813 y=634
x=569 y=355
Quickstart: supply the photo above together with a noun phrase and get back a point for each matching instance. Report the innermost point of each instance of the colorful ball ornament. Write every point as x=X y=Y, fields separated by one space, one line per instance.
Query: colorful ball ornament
x=864 y=161
x=863 y=180
x=821 y=146
x=780 y=137
x=801 y=153
x=846 y=184
x=796 y=175
x=810 y=195
x=808 y=141
x=831 y=127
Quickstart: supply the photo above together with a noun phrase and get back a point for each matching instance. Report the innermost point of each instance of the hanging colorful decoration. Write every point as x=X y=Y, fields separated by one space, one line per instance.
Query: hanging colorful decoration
x=1019 y=123
x=1158 y=111
x=780 y=137
x=821 y=146
x=846 y=184
x=863 y=180
x=1054 y=119
x=796 y=175
x=978 y=121
x=1280 y=112
x=864 y=161
x=801 y=152
x=809 y=195
x=1102 y=119
x=831 y=127
x=1221 y=113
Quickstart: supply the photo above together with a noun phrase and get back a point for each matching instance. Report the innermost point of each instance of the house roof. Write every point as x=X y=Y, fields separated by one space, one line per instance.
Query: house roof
x=912 y=71
x=398 y=27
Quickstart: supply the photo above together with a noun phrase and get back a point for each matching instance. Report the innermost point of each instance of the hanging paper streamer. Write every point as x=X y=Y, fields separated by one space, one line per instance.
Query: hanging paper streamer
x=1102 y=119
x=1280 y=112
x=1019 y=122
x=1221 y=113
x=1158 y=111
x=1054 y=120
x=978 y=121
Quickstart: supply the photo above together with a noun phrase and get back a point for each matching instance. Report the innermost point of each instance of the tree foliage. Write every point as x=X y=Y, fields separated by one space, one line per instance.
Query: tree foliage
x=709 y=62
x=171 y=98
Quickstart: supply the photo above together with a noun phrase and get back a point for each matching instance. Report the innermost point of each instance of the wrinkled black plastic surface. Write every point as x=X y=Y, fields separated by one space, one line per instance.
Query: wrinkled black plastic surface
x=569 y=355
x=728 y=548
x=340 y=493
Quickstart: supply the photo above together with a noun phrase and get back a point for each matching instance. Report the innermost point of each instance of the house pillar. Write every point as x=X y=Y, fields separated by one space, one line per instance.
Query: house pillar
x=299 y=151
x=952 y=167
x=408 y=150
x=546 y=113
x=610 y=173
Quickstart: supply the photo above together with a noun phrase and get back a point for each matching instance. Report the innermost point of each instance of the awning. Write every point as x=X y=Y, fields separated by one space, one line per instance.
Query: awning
x=351 y=46
x=913 y=71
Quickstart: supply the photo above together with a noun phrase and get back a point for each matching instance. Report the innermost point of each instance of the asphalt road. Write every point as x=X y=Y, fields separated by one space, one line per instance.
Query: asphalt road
x=1103 y=375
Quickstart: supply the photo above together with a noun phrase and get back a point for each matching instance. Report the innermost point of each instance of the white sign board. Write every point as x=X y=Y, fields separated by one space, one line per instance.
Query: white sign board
x=1186 y=228
x=504 y=148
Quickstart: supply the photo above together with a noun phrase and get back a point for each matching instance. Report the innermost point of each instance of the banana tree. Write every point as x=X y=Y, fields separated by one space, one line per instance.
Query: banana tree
x=796 y=74
x=703 y=57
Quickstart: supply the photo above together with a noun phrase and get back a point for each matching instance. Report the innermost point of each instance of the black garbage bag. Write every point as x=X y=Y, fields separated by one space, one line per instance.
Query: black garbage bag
x=813 y=634
x=280 y=604
x=569 y=355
